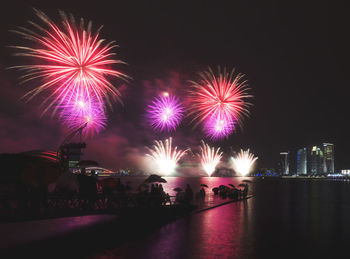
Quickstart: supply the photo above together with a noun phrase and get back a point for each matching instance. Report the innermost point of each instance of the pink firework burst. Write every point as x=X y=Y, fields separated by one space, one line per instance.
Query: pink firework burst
x=218 y=127
x=165 y=112
x=219 y=101
x=69 y=59
x=82 y=109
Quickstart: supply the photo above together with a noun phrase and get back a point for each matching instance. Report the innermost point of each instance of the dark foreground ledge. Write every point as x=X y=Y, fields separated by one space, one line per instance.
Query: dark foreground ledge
x=83 y=236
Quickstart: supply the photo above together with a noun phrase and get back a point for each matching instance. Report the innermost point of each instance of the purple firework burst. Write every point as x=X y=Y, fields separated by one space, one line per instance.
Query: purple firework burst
x=219 y=127
x=82 y=109
x=165 y=112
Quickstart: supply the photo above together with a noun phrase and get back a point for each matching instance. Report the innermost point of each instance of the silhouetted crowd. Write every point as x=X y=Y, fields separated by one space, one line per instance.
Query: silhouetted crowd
x=232 y=193
x=109 y=193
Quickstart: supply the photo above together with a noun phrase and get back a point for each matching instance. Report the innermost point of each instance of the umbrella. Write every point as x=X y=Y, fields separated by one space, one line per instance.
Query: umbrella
x=153 y=178
x=178 y=189
x=247 y=181
x=223 y=187
x=215 y=190
x=204 y=185
x=231 y=185
x=242 y=185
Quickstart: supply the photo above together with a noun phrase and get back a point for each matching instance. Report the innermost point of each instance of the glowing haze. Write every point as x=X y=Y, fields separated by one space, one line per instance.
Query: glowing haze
x=219 y=101
x=243 y=162
x=164 y=156
x=210 y=158
x=69 y=61
x=165 y=112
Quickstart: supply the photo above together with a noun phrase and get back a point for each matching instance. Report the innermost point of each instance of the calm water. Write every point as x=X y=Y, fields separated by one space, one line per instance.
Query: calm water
x=288 y=218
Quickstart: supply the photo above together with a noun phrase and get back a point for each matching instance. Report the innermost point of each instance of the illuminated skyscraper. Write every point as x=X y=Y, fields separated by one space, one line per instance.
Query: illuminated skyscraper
x=302 y=161
x=315 y=166
x=284 y=160
x=328 y=158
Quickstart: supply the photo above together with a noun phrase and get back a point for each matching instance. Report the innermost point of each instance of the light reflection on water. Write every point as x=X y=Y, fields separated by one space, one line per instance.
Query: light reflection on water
x=286 y=219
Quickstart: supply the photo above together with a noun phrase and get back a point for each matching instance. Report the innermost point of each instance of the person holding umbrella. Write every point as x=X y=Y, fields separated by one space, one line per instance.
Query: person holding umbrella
x=189 y=193
x=180 y=196
x=202 y=191
x=244 y=193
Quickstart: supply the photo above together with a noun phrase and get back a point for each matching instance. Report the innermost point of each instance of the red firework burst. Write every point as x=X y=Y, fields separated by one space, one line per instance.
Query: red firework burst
x=70 y=59
x=219 y=96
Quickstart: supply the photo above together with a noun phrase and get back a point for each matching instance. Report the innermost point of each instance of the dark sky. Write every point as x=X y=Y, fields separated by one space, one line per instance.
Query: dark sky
x=294 y=55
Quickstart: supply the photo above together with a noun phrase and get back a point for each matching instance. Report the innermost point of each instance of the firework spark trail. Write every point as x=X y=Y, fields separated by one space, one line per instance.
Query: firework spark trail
x=82 y=109
x=165 y=156
x=68 y=60
x=242 y=163
x=165 y=112
x=210 y=157
x=222 y=96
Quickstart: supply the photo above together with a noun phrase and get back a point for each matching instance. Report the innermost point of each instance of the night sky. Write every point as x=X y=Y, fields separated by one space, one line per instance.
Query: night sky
x=294 y=55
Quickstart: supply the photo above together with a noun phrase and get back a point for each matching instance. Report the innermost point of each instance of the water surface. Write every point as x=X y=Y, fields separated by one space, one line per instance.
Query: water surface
x=287 y=218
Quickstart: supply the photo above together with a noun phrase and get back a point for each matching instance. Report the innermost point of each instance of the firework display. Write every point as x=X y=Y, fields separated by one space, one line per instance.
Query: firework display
x=71 y=67
x=243 y=162
x=165 y=112
x=210 y=157
x=219 y=101
x=83 y=109
x=165 y=156
x=68 y=60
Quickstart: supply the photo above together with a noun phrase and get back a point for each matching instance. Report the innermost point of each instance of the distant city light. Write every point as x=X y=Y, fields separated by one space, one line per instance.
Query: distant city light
x=345 y=172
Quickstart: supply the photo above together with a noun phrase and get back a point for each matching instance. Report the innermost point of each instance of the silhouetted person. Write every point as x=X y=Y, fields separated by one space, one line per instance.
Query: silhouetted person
x=189 y=193
x=202 y=193
x=92 y=189
x=153 y=189
x=120 y=188
x=240 y=193
x=180 y=197
x=222 y=191
x=235 y=194
x=87 y=189
x=167 y=199
x=245 y=191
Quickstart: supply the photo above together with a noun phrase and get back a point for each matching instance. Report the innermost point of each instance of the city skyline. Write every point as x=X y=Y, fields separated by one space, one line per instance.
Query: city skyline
x=309 y=160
